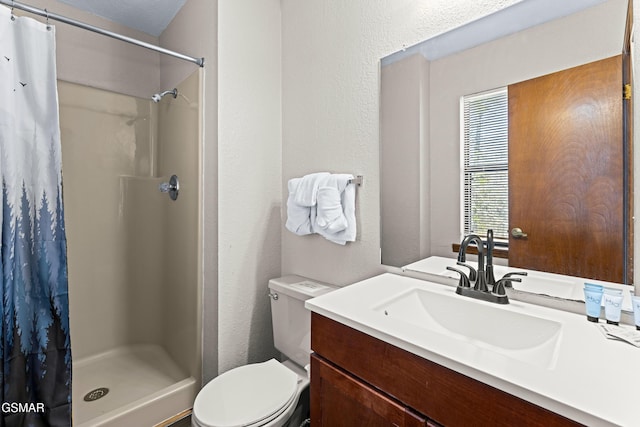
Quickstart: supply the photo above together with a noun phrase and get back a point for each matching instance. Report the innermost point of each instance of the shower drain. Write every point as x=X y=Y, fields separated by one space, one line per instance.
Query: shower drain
x=96 y=394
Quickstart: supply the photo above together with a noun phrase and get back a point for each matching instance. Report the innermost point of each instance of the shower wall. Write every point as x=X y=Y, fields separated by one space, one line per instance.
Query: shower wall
x=179 y=152
x=107 y=138
x=132 y=252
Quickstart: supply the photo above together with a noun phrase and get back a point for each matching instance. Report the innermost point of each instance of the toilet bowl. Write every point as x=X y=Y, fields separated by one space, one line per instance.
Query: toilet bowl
x=271 y=393
x=257 y=395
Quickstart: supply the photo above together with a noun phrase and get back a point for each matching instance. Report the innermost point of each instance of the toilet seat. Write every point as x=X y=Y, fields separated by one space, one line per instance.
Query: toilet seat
x=248 y=396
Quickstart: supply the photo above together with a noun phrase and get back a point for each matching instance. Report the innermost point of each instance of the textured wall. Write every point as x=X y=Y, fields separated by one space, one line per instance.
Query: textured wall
x=249 y=178
x=330 y=66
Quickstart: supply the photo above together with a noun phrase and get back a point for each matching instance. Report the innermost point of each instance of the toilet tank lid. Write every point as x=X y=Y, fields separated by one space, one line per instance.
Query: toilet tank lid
x=300 y=287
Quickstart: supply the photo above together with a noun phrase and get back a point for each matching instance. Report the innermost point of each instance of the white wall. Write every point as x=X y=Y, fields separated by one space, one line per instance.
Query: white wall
x=330 y=66
x=401 y=159
x=249 y=177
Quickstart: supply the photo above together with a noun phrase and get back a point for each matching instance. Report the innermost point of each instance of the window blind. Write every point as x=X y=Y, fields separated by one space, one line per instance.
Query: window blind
x=485 y=171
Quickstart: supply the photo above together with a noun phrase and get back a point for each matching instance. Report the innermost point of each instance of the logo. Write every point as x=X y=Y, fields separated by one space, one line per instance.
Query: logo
x=19 y=408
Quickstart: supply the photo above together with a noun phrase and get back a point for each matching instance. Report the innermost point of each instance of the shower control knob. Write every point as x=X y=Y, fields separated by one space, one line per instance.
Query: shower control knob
x=172 y=187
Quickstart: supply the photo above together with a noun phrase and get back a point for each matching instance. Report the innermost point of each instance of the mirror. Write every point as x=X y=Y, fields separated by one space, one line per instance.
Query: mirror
x=421 y=90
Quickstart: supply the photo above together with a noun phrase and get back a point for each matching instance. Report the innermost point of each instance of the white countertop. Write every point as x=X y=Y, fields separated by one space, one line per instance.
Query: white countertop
x=593 y=380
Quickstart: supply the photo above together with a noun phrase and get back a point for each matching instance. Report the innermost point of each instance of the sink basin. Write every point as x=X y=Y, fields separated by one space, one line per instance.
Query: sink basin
x=487 y=326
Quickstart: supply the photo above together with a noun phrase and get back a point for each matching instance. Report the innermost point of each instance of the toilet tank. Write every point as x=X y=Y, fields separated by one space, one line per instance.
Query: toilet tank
x=291 y=321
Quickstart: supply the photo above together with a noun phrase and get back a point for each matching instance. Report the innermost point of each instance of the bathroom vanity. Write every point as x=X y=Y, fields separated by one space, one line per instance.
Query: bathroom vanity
x=393 y=350
x=356 y=375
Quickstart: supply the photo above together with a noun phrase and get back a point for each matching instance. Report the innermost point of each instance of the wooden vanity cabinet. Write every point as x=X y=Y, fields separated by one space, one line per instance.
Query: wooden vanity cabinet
x=359 y=380
x=342 y=400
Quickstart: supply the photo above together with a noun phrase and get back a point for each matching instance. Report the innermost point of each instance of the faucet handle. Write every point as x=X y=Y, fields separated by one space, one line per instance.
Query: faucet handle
x=464 y=280
x=515 y=273
x=473 y=274
x=498 y=288
x=505 y=282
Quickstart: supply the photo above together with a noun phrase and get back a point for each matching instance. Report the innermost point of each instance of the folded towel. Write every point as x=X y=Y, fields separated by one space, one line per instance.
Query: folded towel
x=327 y=219
x=330 y=216
x=298 y=217
x=306 y=191
x=322 y=203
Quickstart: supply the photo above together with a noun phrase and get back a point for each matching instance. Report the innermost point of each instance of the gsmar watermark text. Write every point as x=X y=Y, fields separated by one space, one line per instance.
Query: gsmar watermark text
x=19 y=407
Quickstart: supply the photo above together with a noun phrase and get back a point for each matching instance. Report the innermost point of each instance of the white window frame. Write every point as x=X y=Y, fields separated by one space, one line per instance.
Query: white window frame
x=502 y=91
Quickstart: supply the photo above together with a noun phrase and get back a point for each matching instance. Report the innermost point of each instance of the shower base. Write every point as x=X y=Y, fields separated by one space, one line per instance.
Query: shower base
x=144 y=386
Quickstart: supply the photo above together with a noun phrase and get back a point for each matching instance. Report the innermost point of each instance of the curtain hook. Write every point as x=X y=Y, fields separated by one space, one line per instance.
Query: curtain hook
x=13 y=4
x=46 y=12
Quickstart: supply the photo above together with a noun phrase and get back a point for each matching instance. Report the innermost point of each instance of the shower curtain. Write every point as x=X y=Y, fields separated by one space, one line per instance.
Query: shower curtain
x=34 y=347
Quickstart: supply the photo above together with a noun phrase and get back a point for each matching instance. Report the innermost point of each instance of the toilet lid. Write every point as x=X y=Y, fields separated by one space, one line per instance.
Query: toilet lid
x=246 y=395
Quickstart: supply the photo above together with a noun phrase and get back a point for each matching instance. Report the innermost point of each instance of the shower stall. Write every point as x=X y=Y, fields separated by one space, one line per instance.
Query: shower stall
x=133 y=251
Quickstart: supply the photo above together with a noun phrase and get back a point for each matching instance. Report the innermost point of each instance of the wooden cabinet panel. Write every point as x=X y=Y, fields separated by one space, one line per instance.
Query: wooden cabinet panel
x=340 y=400
x=443 y=395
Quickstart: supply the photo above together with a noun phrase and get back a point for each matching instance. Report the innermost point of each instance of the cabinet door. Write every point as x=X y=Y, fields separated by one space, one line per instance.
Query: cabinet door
x=338 y=399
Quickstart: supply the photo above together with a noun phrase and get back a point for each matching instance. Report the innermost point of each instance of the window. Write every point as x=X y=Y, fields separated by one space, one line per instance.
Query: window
x=485 y=180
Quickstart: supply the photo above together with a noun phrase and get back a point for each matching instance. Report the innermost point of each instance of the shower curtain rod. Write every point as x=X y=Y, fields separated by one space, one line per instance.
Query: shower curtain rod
x=65 y=20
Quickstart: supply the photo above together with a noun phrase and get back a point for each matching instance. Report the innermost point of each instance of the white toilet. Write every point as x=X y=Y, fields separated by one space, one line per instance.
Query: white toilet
x=268 y=394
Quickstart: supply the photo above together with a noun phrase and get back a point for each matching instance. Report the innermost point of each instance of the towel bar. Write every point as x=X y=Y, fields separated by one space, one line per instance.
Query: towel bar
x=358 y=180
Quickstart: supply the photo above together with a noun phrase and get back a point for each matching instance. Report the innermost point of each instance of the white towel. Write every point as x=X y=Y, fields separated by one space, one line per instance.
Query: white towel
x=306 y=191
x=330 y=216
x=327 y=220
x=322 y=203
x=298 y=217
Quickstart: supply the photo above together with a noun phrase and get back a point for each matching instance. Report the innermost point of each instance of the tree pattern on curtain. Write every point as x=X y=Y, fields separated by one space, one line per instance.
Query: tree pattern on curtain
x=35 y=351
